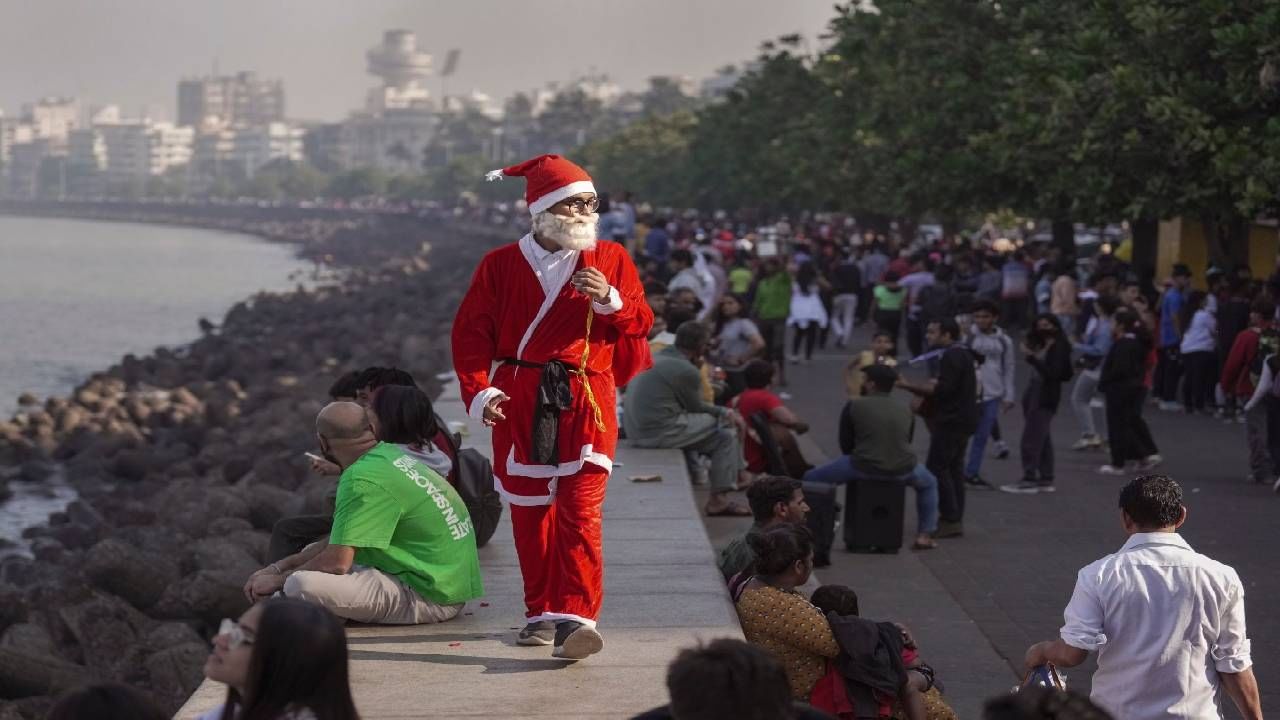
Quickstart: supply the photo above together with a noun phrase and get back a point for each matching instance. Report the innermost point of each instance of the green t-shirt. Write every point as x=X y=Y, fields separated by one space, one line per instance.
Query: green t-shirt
x=887 y=299
x=740 y=280
x=773 y=297
x=406 y=520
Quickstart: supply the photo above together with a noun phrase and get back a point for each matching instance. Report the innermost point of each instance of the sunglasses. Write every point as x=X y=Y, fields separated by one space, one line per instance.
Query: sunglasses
x=580 y=206
x=236 y=635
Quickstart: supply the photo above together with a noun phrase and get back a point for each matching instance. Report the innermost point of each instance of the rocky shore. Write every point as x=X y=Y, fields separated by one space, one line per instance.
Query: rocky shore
x=184 y=459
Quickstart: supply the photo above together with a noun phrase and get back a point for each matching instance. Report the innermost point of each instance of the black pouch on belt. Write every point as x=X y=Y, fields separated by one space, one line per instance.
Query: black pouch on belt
x=553 y=397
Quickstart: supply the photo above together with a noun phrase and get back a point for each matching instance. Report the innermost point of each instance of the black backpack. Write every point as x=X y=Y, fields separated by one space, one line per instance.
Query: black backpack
x=472 y=477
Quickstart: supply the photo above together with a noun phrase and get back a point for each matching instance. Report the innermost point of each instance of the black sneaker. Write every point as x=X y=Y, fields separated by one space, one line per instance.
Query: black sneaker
x=949 y=530
x=977 y=483
x=542 y=632
x=575 y=641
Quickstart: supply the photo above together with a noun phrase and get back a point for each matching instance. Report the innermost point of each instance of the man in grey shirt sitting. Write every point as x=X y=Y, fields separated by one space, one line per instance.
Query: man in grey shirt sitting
x=875 y=436
x=664 y=409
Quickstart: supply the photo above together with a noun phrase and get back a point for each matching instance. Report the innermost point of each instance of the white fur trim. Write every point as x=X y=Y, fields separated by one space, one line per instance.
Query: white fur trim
x=494 y=175
x=525 y=500
x=482 y=398
x=558 y=617
x=555 y=196
x=564 y=469
x=526 y=248
x=611 y=307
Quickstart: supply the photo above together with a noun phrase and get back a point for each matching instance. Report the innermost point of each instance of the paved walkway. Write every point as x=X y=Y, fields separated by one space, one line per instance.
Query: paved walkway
x=977 y=603
x=663 y=593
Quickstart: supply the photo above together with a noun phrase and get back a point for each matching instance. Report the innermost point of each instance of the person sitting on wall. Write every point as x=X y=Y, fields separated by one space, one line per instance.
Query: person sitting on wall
x=402 y=548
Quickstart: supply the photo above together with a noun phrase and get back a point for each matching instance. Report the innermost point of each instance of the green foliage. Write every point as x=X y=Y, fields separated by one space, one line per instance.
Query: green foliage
x=1086 y=110
x=362 y=182
x=640 y=158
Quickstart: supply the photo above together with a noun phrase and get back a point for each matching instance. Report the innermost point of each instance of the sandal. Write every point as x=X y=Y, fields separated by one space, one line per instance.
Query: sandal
x=931 y=545
x=731 y=509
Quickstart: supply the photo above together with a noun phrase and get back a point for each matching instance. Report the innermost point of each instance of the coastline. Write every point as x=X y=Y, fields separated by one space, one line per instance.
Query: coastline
x=184 y=458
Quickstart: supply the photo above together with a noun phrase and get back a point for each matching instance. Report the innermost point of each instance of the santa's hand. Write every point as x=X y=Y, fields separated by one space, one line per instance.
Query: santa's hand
x=491 y=412
x=593 y=283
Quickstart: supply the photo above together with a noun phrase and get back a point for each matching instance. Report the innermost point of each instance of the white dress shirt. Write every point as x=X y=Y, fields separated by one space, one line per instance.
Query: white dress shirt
x=555 y=267
x=1165 y=620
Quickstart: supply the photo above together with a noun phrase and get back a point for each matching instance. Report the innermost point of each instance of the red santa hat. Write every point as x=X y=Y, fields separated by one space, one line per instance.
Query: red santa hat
x=548 y=180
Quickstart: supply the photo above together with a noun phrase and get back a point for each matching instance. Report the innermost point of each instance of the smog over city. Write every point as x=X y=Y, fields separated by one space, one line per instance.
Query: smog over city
x=131 y=52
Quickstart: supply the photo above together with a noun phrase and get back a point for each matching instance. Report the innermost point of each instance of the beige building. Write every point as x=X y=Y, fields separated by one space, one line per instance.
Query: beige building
x=240 y=99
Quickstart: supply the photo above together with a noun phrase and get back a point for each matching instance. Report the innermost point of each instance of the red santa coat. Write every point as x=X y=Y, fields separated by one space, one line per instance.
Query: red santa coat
x=506 y=314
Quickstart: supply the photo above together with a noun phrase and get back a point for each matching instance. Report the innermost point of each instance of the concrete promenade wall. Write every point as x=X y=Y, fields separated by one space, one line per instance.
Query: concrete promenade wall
x=663 y=593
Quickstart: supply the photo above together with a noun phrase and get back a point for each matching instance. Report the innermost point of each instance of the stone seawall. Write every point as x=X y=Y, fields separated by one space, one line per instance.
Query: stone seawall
x=183 y=459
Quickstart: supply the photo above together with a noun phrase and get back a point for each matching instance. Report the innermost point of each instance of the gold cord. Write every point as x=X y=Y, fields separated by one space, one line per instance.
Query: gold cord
x=582 y=373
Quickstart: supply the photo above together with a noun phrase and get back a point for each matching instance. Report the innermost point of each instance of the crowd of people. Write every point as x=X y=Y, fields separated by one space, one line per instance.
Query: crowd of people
x=735 y=312
x=1092 y=334
x=698 y=324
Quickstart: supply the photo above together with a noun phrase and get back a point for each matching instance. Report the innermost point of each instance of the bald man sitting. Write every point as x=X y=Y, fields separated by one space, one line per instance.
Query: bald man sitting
x=402 y=550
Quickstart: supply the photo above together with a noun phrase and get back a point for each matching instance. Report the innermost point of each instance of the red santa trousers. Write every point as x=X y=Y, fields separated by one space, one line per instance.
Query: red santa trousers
x=559 y=545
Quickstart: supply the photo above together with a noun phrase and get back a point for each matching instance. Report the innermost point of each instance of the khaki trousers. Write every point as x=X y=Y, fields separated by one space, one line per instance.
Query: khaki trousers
x=367 y=595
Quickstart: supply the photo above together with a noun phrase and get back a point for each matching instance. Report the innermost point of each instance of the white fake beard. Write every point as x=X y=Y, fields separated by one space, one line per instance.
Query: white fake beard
x=571 y=233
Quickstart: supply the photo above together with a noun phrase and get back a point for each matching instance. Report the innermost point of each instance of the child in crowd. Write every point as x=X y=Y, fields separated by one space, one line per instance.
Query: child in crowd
x=920 y=697
x=1266 y=395
x=881 y=353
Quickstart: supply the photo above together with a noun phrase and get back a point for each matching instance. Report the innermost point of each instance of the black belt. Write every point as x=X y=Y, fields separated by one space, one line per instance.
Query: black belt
x=539 y=366
x=554 y=396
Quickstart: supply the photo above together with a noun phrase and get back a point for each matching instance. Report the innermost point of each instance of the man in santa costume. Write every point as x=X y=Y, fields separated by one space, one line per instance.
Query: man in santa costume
x=565 y=320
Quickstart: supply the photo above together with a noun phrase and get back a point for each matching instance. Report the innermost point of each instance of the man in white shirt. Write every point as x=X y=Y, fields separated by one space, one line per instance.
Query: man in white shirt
x=1167 y=622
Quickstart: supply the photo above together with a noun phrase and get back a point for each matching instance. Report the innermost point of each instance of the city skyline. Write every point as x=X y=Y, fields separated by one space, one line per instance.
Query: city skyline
x=319 y=54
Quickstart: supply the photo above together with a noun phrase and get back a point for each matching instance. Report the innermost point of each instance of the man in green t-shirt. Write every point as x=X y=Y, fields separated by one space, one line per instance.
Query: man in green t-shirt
x=402 y=549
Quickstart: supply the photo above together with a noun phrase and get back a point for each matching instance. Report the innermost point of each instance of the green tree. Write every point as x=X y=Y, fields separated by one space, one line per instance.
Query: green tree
x=664 y=96
x=909 y=85
x=647 y=158
x=361 y=182
x=762 y=146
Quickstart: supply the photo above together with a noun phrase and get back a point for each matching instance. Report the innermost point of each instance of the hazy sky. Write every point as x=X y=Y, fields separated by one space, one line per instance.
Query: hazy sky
x=132 y=52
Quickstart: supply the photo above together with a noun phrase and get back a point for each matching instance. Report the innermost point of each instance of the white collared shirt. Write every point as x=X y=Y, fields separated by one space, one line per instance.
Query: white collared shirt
x=555 y=267
x=1165 y=620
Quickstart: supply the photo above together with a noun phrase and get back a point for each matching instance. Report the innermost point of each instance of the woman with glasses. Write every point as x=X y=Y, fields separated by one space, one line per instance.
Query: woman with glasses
x=283 y=660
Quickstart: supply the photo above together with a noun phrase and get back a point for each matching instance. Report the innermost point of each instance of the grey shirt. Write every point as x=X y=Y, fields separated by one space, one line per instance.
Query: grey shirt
x=657 y=397
x=735 y=343
x=876 y=432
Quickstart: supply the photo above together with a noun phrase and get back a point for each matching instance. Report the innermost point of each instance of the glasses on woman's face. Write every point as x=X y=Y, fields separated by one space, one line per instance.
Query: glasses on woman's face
x=581 y=206
x=236 y=636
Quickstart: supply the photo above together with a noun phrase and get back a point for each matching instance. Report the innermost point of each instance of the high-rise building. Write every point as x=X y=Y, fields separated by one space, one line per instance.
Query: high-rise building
x=53 y=118
x=119 y=153
x=398 y=120
x=86 y=163
x=401 y=66
x=240 y=99
x=25 y=162
x=242 y=151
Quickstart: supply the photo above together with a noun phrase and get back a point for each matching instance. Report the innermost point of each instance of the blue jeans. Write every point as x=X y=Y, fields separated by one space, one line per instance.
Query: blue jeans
x=988 y=412
x=841 y=472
